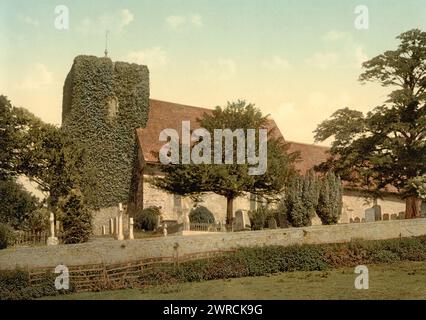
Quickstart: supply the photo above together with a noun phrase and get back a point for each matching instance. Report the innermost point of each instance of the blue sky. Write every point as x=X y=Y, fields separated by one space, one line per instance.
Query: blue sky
x=297 y=60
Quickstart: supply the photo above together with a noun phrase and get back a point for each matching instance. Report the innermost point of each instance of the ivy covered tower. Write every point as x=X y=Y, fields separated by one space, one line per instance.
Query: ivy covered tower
x=103 y=103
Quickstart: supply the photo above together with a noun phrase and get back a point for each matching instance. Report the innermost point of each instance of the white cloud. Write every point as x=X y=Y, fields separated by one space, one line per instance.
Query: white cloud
x=37 y=77
x=275 y=63
x=221 y=69
x=334 y=35
x=152 y=57
x=323 y=60
x=115 y=23
x=28 y=20
x=178 y=23
x=350 y=54
x=196 y=20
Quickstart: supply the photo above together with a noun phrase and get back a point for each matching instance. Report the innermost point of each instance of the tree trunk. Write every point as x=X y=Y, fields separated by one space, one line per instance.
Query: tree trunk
x=412 y=207
x=229 y=213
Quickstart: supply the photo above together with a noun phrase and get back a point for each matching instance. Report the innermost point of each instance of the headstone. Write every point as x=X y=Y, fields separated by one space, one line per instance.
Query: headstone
x=120 y=235
x=131 y=235
x=272 y=223
x=52 y=240
x=103 y=230
x=378 y=212
x=111 y=226
x=394 y=216
x=370 y=215
x=185 y=212
x=386 y=217
x=239 y=221
x=401 y=215
x=282 y=221
x=357 y=220
x=363 y=220
x=165 y=230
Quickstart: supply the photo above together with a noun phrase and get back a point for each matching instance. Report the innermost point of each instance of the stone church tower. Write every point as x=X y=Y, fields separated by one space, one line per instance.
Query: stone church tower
x=103 y=103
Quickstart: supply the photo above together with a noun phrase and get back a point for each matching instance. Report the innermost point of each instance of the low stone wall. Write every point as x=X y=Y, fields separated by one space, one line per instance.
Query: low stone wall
x=113 y=251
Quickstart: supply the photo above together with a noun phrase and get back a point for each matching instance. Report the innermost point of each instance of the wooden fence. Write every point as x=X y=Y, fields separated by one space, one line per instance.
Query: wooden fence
x=97 y=277
x=32 y=238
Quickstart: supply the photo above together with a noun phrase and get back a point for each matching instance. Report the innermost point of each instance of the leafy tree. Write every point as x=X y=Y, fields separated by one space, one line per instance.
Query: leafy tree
x=16 y=204
x=329 y=208
x=232 y=180
x=386 y=147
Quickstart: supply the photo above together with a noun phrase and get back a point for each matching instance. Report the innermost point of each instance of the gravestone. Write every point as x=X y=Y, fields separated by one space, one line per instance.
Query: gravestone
x=401 y=215
x=394 y=216
x=363 y=220
x=370 y=215
x=386 y=217
x=239 y=221
x=378 y=212
x=357 y=220
x=282 y=221
x=272 y=223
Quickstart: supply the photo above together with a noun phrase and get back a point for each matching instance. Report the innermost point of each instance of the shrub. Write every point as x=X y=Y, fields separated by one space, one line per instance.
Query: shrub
x=15 y=285
x=38 y=220
x=76 y=217
x=147 y=219
x=201 y=214
x=259 y=217
x=6 y=236
x=329 y=206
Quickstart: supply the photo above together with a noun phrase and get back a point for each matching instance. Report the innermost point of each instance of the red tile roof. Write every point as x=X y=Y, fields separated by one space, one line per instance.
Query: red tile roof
x=170 y=115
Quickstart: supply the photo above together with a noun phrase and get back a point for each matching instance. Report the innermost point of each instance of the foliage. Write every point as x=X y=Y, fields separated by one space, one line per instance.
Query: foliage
x=387 y=145
x=330 y=200
x=103 y=104
x=15 y=285
x=147 y=219
x=16 y=204
x=76 y=217
x=259 y=217
x=201 y=214
x=301 y=199
x=419 y=185
x=232 y=180
x=261 y=261
x=38 y=220
x=6 y=236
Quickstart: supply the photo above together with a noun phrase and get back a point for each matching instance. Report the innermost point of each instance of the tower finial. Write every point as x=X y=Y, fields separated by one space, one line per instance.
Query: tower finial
x=106 y=43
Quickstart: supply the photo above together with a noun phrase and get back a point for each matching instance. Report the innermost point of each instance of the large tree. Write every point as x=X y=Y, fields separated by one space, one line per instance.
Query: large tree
x=232 y=180
x=39 y=151
x=385 y=148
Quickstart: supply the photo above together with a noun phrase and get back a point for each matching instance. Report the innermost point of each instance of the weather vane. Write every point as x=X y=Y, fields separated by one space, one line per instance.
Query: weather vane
x=106 y=43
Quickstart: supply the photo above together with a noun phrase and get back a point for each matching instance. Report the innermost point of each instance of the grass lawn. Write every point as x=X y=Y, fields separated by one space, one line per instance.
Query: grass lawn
x=396 y=281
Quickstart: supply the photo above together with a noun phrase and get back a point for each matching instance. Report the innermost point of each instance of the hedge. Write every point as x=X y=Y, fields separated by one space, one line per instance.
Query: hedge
x=258 y=261
x=103 y=103
x=15 y=285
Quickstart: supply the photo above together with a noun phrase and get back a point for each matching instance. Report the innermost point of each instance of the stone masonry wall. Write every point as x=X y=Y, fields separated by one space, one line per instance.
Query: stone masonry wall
x=114 y=251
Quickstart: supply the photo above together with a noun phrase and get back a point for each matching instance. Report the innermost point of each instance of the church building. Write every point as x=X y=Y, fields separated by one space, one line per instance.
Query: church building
x=107 y=107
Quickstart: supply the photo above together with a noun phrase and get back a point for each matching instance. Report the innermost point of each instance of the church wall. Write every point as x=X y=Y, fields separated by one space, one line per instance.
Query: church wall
x=171 y=205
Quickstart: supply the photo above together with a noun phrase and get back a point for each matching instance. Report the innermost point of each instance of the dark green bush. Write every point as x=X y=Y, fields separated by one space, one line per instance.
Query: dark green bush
x=6 y=236
x=15 y=285
x=201 y=214
x=259 y=217
x=76 y=217
x=147 y=219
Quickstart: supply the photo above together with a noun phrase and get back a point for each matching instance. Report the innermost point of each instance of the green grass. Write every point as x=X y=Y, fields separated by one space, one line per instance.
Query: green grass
x=405 y=280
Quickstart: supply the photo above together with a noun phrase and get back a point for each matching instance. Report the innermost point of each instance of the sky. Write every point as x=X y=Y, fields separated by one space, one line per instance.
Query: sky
x=298 y=61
